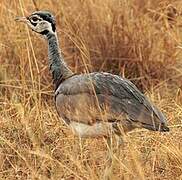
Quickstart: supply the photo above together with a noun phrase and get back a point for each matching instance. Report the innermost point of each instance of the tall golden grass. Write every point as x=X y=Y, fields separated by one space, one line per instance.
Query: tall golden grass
x=139 y=40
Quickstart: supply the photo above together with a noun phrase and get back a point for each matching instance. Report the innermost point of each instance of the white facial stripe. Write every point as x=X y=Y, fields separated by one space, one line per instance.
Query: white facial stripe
x=33 y=21
x=49 y=26
x=38 y=18
x=39 y=25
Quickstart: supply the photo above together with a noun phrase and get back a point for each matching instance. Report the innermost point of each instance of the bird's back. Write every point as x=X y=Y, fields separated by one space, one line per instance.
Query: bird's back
x=89 y=98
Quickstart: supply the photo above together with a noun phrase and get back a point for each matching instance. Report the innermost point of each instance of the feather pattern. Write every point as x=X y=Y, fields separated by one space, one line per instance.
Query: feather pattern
x=57 y=66
x=94 y=104
x=90 y=93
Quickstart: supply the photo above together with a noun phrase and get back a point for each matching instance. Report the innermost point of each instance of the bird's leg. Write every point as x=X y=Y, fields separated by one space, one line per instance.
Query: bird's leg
x=109 y=167
x=119 y=144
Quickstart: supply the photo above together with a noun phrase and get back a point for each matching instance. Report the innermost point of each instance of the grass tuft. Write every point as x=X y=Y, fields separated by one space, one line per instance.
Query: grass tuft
x=139 y=40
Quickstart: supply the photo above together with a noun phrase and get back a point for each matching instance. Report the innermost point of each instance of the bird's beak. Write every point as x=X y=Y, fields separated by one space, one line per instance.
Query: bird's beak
x=21 y=19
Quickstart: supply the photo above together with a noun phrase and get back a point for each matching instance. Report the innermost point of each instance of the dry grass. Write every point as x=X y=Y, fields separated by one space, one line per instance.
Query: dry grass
x=136 y=39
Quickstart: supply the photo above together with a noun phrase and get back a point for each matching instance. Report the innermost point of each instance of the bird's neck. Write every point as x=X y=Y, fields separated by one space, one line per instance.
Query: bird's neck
x=57 y=66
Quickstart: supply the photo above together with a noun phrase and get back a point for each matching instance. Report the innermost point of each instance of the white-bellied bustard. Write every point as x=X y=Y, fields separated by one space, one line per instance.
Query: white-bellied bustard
x=96 y=104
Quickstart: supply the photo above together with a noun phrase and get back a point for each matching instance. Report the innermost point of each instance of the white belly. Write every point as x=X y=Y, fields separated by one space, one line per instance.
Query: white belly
x=98 y=129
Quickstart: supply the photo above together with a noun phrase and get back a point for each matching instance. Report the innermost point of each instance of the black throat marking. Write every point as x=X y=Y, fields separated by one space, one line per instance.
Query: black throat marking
x=45 y=32
x=47 y=17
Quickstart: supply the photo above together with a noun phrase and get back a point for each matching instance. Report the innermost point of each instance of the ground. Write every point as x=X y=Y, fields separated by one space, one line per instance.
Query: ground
x=138 y=40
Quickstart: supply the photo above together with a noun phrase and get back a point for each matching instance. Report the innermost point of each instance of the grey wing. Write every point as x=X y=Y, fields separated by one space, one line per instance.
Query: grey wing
x=121 y=96
x=130 y=100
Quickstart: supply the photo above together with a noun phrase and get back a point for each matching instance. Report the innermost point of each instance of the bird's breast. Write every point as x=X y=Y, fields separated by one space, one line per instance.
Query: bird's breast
x=98 y=129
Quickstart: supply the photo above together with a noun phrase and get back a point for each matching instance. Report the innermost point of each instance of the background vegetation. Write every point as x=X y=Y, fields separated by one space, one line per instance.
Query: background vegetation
x=137 y=39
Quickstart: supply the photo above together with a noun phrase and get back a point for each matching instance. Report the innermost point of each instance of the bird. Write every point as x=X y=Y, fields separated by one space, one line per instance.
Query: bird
x=96 y=104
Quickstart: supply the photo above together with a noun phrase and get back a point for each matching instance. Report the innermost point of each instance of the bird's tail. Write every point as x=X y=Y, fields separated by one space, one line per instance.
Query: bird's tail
x=160 y=127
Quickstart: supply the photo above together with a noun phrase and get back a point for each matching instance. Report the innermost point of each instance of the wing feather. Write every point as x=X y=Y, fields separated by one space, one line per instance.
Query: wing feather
x=122 y=96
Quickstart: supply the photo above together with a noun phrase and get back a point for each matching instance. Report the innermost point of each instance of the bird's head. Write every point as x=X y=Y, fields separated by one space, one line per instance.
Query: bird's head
x=42 y=22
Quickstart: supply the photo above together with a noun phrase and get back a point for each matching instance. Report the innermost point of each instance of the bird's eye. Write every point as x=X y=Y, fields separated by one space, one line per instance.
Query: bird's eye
x=34 y=19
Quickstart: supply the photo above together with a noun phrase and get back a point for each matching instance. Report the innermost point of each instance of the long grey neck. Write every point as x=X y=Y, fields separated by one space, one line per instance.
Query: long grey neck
x=57 y=66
